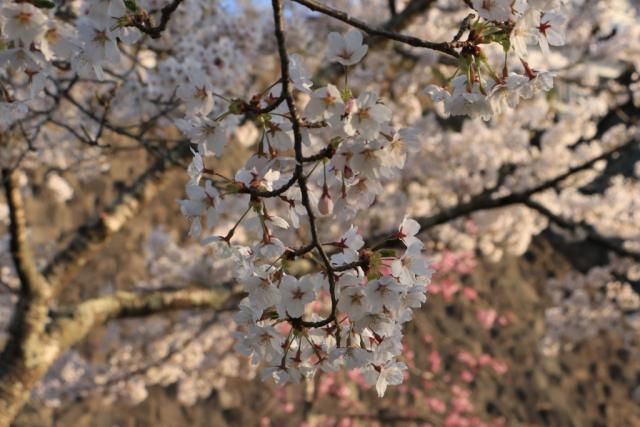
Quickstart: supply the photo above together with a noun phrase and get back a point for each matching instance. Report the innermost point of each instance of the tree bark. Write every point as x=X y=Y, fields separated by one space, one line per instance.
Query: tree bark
x=26 y=355
x=25 y=362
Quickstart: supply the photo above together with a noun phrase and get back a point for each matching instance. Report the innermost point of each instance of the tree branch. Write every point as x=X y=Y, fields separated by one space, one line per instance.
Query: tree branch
x=485 y=200
x=443 y=47
x=69 y=328
x=156 y=31
x=393 y=9
x=302 y=183
x=23 y=359
x=615 y=245
x=32 y=282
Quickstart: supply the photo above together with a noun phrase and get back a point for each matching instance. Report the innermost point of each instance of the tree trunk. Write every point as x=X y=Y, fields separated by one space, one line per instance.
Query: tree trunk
x=26 y=357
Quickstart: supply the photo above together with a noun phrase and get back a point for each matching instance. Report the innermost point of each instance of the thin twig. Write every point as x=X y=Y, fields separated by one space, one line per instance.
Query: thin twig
x=443 y=47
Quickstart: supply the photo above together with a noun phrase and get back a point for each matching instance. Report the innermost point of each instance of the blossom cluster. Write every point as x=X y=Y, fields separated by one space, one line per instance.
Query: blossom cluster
x=480 y=89
x=602 y=300
x=348 y=310
x=36 y=40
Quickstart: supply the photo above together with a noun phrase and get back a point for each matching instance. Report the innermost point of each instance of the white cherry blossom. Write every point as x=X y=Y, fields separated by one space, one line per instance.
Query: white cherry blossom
x=295 y=295
x=23 y=22
x=347 y=49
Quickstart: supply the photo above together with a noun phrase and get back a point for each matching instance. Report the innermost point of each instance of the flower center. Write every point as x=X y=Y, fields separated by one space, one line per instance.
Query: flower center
x=544 y=26
x=356 y=299
x=24 y=18
x=201 y=92
x=297 y=294
x=329 y=100
x=345 y=54
x=100 y=37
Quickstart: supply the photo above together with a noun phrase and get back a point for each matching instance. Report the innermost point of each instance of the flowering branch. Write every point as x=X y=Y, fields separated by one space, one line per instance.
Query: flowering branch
x=615 y=245
x=142 y=21
x=486 y=201
x=297 y=136
x=443 y=47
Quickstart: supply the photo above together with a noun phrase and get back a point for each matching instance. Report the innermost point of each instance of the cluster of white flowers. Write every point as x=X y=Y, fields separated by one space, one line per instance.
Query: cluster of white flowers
x=350 y=312
x=91 y=53
x=602 y=300
x=478 y=88
x=38 y=39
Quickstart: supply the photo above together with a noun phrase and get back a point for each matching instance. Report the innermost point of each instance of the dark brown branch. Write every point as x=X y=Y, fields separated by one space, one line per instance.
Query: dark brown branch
x=464 y=26
x=325 y=153
x=393 y=8
x=397 y=23
x=302 y=183
x=351 y=266
x=403 y=19
x=273 y=193
x=443 y=47
x=486 y=200
x=146 y=26
x=615 y=245
x=23 y=359
x=31 y=281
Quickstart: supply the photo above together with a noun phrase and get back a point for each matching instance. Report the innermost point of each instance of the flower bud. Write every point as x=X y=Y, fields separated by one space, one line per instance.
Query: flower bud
x=325 y=204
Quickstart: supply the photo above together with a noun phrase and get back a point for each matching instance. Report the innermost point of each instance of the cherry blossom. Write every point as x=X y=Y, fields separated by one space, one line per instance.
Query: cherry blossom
x=23 y=22
x=347 y=49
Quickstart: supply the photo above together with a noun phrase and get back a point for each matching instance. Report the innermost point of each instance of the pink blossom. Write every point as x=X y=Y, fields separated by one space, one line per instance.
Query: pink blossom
x=467 y=358
x=471 y=227
x=462 y=404
x=499 y=367
x=447 y=287
x=436 y=361
x=470 y=293
x=436 y=405
x=503 y=320
x=356 y=376
x=467 y=376
x=346 y=422
x=486 y=317
x=484 y=359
